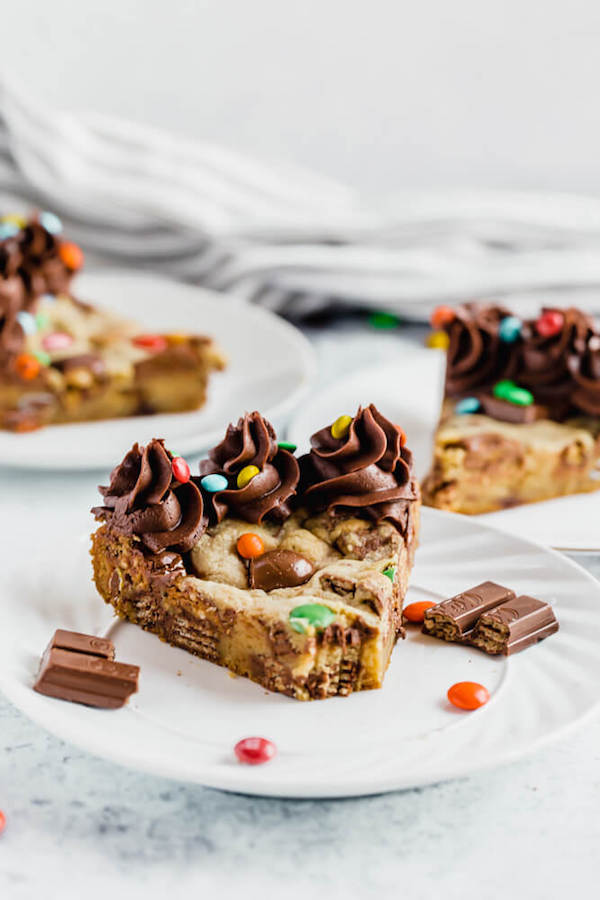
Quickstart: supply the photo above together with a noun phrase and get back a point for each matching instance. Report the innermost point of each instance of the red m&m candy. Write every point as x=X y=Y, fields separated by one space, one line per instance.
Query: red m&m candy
x=468 y=695
x=180 y=469
x=442 y=315
x=2 y=821
x=550 y=323
x=255 y=750
x=153 y=342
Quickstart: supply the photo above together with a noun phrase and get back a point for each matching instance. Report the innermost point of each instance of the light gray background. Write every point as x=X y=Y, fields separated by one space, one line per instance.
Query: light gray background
x=383 y=94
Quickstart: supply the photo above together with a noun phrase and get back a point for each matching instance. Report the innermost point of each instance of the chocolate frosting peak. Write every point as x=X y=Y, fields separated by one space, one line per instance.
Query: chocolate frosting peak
x=30 y=265
x=252 y=442
x=584 y=367
x=144 y=499
x=368 y=471
x=476 y=355
x=545 y=361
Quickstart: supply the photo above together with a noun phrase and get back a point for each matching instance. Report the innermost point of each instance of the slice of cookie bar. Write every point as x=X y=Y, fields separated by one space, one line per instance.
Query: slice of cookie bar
x=291 y=572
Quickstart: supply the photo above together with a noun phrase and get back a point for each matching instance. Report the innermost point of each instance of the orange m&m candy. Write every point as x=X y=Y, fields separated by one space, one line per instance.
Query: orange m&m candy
x=414 y=611
x=442 y=315
x=71 y=255
x=27 y=366
x=468 y=695
x=250 y=545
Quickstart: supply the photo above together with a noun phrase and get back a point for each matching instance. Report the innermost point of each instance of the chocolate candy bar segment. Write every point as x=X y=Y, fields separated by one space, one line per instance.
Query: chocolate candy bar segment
x=454 y=619
x=82 y=643
x=505 y=411
x=92 y=680
x=81 y=668
x=514 y=626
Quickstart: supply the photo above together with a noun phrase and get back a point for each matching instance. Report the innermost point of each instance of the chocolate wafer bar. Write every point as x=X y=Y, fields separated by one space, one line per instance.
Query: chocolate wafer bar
x=454 y=619
x=81 y=668
x=514 y=626
x=82 y=643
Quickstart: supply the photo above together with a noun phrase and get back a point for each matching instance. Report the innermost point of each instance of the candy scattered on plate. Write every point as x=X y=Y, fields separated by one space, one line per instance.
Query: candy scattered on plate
x=254 y=751
x=468 y=695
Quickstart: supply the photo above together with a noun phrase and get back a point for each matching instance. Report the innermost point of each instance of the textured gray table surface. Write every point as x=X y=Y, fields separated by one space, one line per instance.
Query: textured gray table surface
x=79 y=827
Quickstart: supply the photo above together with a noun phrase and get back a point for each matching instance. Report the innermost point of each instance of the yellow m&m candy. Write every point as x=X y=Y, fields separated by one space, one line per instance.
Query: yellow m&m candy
x=438 y=340
x=15 y=219
x=246 y=475
x=340 y=427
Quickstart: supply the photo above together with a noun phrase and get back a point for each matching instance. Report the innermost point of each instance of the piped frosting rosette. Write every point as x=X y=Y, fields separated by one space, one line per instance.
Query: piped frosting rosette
x=476 y=355
x=145 y=499
x=584 y=367
x=367 y=470
x=546 y=363
x=43 y=270
x=261 y=477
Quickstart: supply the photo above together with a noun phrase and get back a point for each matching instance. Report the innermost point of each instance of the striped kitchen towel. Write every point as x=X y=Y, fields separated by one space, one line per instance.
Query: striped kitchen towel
x=278 y=235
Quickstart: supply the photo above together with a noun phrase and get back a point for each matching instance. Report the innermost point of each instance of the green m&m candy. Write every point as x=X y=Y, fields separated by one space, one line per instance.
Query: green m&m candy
x=391 y=572
x=315 y=614
x=287 y=445
x=512 y=393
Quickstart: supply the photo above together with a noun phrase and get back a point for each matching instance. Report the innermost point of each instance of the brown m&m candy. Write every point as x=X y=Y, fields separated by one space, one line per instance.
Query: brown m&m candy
x=279 y=569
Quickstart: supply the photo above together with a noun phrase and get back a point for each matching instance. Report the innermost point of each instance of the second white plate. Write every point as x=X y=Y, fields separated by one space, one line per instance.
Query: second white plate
x=188 y=713
x=409 y=392
x=271 y=365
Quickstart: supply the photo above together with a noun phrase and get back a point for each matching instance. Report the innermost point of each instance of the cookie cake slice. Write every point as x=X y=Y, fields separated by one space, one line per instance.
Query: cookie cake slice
x=62 y=360
x=521 y=414
x=291 y=572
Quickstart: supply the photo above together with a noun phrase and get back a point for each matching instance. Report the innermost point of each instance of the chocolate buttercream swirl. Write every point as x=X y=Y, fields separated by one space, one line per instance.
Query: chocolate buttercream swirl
x=42 y=268
x=546 y=363
x=252 y=442
x=368 y=472
x=144 y=499
x=584 y=366
x=476 y=355
x=30 y=265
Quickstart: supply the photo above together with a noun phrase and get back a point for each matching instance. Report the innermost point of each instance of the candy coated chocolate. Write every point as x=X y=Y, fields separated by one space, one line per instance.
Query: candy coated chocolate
x=514 y=626
x=454 y=619
x=279 y=569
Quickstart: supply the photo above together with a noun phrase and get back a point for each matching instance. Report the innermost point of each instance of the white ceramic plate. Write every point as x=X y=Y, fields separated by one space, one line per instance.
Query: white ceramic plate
x=271 y=365
x=188 y=713
x=410 y=393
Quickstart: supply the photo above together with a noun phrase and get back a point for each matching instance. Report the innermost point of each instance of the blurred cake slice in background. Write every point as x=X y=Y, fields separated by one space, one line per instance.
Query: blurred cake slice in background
x=521 y=414
x=62 y=360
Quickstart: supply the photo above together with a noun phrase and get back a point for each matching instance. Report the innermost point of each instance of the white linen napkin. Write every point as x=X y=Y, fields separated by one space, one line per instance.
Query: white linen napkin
x=283 y=237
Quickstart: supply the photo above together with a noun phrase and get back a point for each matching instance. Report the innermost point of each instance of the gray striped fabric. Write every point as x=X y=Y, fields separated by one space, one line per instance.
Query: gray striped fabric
x=282 y=237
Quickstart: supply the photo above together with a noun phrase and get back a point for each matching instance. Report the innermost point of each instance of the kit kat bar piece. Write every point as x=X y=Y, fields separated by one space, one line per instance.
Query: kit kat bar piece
x=454 y=619
x=82 y=643
x=89 y=678
x=514 y=626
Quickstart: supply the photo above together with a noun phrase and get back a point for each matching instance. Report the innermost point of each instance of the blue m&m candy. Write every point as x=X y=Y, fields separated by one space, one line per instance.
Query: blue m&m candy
x=214 y=483
x=50 y=222
x=27 y=322
x=509 y=329
x=8 y=230
x=467 y=405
